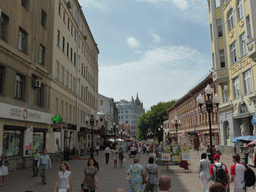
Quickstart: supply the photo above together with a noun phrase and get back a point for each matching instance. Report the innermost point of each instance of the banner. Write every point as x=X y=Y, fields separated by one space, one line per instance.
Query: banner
x=28 y=139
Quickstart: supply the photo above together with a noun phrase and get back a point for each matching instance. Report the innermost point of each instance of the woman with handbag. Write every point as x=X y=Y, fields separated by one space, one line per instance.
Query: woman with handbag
x=64 y=179
x=135 y=177
x=4 y=162
x=90 y=181
x=151 y=173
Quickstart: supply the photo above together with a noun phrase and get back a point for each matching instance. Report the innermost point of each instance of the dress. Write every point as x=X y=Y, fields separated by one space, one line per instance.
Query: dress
x=136 y=182
x=3 y=168
x=89 y=182
x=64 y=179
x=204 y=166
x=152 y=178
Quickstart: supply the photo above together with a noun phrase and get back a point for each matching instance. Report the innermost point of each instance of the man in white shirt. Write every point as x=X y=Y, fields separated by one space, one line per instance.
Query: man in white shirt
x=164 y=184
x=237 y=174
x=44 y=162
x=107 y=150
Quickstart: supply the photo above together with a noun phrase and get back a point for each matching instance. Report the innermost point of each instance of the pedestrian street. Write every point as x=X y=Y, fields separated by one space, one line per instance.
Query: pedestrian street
x=109 y=178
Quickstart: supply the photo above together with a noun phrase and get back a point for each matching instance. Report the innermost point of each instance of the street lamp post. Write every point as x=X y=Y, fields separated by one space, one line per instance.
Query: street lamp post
x=94 y=119
x=149 y=134
x=176 y=123
x=114 y=127
x=209 y=107
x=160 y=129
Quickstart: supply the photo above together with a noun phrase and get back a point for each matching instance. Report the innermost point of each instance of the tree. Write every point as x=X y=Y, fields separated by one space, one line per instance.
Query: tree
x=154 y=118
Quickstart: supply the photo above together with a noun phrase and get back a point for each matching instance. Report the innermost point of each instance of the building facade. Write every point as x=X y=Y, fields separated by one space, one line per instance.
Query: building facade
x=48 y=78
x=232 y=35
x=129 y=113
x=194 y=128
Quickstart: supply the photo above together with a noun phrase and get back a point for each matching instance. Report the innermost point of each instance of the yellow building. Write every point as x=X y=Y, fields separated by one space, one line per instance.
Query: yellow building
x=232 y=32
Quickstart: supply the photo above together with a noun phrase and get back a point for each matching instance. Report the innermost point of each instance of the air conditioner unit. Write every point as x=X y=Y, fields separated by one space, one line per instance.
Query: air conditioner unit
x=37 y=83
x=69 y=4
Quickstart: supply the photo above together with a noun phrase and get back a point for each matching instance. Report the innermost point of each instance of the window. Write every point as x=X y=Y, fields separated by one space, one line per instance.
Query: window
x=71 y=54
x=248 y=81
x=101 y=102
x=41 y=54
x=57 y=70
x=233 y=53
x=248 y=26
x=225 y=93
x=58 y=38
x=217 y=3
x=63 y=44
x=59 y=9
x=38 y=141
x=62 y=74
x=56 y=106
x=237 y=87
x=72 y=29
x=64 y=16
x=43 y=18
x=74 y=84
x=23 y=40
x=67 y=76
x=1 y=78
x=67 y=49
x=40 y=96
x=240 y=12
x=82 y=91
x=4 y=24
x=19 y=86
x=68 y=23
x=230 y=19
x=219 y=27
x=222 y=58
x=70 y=112
x=211 y=35
x=82 y=70
x=12 y=142
x=25 y=4
x=74 y=58
x=243 y=46
x=213 y=61
x=78 y=87
x=70 y=81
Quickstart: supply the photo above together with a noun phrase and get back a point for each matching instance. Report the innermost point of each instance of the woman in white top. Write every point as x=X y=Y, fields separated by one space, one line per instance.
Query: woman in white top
x=204 y=167
x=115 y=154
x=64 y=179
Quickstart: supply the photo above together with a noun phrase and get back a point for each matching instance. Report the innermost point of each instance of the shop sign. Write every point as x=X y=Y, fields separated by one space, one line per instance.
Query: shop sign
x=24 y=114
x=56 y=128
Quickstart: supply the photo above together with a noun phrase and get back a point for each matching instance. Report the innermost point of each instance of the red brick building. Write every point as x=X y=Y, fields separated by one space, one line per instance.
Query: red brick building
x=194 y=128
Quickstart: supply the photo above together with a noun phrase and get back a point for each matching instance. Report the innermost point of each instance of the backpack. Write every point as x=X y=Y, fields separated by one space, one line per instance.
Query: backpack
x=220 y=175
x=249 y=176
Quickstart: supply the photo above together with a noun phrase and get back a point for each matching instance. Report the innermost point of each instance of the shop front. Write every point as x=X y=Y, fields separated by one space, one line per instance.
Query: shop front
x=22 y=131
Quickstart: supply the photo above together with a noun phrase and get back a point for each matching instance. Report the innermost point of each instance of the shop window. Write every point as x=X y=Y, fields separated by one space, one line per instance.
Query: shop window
x=12 y=142
x=38 y=141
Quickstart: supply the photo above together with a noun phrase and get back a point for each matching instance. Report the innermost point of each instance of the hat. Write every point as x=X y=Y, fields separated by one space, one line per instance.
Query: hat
x=216 y=156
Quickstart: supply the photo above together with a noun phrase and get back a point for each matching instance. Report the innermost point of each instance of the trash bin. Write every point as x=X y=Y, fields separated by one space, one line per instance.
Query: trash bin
x=66 y=155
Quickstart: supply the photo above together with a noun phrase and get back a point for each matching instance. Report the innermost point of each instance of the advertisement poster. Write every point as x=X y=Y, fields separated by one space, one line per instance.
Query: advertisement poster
x=167 y=149
x=166 y=157
x=28 y=139
x=57 y=142
x=185 y=156
x=176 y=158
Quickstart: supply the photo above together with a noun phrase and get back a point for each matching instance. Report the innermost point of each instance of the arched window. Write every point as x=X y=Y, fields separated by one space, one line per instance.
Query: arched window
x=230 y=19
x=240 y=11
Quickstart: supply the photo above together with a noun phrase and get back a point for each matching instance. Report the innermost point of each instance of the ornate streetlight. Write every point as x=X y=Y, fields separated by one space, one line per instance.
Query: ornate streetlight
x=160 y=129
x=94 y=119
x=209 y=107
x=176 y=123
x=149 y=134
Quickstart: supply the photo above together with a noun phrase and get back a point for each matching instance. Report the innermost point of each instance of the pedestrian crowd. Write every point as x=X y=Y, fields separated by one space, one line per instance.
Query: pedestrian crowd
x=241 y=175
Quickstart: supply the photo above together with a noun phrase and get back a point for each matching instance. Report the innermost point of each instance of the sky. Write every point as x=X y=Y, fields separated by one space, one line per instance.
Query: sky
x=158 y=49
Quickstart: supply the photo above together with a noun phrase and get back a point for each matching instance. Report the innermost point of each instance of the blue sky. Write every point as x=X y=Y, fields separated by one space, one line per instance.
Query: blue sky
x=159 y=49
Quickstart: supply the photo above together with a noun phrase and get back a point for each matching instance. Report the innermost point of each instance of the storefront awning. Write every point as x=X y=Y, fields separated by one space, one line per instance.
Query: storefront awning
x=254 y=119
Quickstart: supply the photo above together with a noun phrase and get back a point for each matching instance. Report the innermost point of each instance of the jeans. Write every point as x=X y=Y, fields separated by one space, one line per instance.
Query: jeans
x=43 y=173
x=107 y=157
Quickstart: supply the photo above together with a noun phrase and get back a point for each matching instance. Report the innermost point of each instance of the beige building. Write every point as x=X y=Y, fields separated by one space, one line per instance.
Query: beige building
x=48 y=78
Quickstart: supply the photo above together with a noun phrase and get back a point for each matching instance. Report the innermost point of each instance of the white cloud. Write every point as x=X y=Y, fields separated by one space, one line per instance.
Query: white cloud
x=181 y=4
x=161 y=74
x=156 y=38
x=133 y=42
x=92 y=3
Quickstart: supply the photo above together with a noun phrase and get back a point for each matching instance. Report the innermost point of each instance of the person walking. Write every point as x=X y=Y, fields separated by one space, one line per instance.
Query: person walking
x=237 y=174
x=90 y=180
x=208 y=152
x=107 y=150
x=152 y=171
x=64 y=178
x=115 y=154
x=204 y=167
x=222 y=170
x=44 y=163
x=35 y=161
x=217 y=187
x=136 y=174
x=97 y=148
x=164 y=184
x=121 y=156
x=147 y=149
x=4 y=162
x=139 y=150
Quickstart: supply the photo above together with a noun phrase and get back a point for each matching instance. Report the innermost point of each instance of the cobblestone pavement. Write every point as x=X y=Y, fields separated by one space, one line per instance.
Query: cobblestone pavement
x=109 y=178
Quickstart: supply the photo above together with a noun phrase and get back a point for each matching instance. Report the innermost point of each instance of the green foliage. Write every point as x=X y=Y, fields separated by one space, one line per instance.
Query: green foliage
x=154 y=118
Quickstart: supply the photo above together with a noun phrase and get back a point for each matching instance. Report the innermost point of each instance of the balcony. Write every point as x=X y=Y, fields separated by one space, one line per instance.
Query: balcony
x=220 y=76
